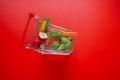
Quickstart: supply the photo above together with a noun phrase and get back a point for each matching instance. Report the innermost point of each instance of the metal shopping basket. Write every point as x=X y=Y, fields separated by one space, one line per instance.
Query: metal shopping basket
x=34 y=35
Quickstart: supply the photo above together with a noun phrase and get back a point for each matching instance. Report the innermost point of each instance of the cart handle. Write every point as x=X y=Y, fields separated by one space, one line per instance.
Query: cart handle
x=31 y=15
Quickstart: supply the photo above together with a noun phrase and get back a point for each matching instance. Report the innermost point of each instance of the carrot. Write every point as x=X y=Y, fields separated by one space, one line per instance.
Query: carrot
x=69 y=34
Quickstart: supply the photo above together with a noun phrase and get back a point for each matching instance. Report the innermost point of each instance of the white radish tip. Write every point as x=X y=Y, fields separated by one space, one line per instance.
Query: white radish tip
x=42 y=35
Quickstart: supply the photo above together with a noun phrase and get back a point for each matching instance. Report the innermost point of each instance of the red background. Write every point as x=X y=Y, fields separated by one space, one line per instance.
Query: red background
x=96 y=55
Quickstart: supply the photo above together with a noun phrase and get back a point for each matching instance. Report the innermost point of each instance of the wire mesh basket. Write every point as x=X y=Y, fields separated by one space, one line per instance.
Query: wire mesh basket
x=34 y=37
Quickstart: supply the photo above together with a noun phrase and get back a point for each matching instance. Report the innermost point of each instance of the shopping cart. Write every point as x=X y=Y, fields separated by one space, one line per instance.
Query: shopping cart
x=34 y=35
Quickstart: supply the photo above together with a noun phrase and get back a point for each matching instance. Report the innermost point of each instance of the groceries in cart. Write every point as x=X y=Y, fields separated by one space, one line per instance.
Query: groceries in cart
x=50 y=38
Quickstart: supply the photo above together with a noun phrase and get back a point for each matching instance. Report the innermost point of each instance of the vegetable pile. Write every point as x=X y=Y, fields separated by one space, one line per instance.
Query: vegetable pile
x=53 y=39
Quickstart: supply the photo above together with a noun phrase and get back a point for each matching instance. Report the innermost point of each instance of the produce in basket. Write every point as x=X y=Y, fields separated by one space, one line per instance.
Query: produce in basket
x=65 y=43
x=53 y=39
x=43 y=29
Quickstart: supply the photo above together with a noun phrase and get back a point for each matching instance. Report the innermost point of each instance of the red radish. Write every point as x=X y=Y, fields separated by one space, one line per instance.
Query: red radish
x=36 y=43
x=43 y=37
x=42 y=41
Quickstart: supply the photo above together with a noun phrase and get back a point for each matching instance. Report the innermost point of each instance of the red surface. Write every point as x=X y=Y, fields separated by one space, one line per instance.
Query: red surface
x=96 y=55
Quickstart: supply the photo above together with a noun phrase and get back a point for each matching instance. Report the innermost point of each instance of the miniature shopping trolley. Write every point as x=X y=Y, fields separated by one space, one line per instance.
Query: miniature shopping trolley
x=47 y=38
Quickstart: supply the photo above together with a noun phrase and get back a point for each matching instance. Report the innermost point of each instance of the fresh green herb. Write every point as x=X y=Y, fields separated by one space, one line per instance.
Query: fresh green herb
x=68 y=45
x=64 y=40
x=54 y=45
x=42 y=46
x=54 y=35
x=65 y=44
x=47 y=25
x=61 y=47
